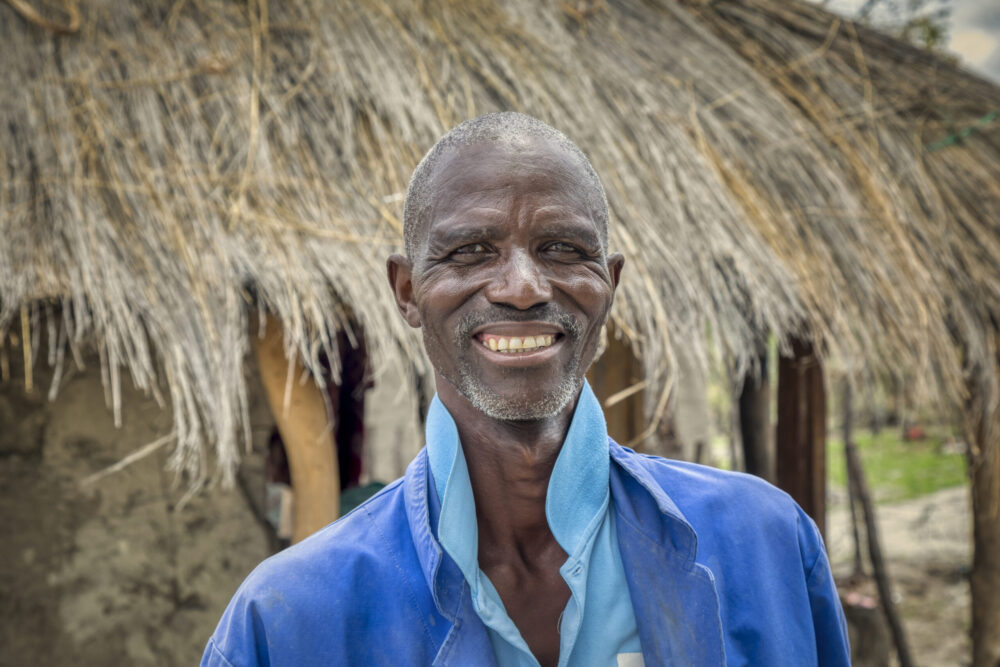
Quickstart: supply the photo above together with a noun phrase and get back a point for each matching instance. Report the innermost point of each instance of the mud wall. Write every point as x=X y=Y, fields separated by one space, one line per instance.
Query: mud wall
x=115 y=573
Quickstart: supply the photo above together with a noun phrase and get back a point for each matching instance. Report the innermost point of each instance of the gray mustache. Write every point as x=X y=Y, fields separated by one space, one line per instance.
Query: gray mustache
x=548 y=314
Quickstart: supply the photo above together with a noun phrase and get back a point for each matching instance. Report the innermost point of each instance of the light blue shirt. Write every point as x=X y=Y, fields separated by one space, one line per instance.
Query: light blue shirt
x=598 y=625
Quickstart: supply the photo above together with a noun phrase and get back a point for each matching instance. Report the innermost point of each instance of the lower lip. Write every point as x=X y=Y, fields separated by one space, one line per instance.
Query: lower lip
x=514 y=359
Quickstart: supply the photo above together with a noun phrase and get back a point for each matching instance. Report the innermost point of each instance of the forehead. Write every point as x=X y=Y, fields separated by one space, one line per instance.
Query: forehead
x=502 y=181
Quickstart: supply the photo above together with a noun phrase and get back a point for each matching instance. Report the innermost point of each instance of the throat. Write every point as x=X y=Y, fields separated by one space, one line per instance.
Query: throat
x=510 y=504
x=534 y=595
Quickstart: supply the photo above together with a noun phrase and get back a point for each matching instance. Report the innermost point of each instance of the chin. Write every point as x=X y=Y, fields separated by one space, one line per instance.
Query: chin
x=520 y=407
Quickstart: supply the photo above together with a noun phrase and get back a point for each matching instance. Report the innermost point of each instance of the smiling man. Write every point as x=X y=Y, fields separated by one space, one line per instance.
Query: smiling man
x=521 y=534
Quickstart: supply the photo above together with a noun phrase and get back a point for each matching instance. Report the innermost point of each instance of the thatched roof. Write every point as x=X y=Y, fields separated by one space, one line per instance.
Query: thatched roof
x=171 y=166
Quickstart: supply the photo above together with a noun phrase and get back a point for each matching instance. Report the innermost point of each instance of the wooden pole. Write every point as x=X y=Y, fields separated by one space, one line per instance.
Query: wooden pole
x=852 y=491
x=755 y=422
x=800 y=443
x=300 y=411
x=855 y=471
x=875 y=422
x=984 y=471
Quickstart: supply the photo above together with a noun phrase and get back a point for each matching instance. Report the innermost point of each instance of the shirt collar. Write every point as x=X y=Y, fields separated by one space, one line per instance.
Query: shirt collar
x=577 y=494
x=578 y=489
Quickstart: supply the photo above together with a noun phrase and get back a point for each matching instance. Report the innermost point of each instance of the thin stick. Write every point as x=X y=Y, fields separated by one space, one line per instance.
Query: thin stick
x=4 y=359
x=29 y=13
x=137 y=455
x=619 y=396
x=875 y=553
x=29 y=382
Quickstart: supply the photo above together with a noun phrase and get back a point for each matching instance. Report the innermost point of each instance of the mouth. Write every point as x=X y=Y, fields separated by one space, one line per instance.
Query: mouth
x=519 y=342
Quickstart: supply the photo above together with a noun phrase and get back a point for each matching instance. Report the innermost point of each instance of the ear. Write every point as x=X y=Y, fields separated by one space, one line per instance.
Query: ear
x=401 y=281
x=615 y=263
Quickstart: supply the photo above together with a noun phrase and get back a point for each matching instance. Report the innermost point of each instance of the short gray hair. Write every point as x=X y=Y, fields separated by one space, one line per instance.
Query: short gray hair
x=504 y=128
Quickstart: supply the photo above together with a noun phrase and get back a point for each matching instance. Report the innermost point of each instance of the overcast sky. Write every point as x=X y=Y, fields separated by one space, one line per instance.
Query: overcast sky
x=973 y=31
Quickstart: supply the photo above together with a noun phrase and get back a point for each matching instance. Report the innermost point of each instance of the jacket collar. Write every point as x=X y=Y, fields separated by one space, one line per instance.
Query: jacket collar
x=675 y=600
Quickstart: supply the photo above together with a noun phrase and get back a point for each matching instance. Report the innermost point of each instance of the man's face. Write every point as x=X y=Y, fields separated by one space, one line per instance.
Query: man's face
x=510 y=280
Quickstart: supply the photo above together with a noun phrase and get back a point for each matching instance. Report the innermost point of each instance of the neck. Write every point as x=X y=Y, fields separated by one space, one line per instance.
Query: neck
x=510 y=463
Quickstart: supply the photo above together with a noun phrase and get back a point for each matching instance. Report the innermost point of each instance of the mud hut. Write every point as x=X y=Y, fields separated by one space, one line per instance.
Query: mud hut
x=173 y=171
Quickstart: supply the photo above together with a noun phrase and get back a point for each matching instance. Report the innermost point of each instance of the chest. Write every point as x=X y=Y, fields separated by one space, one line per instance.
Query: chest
x=534 y=600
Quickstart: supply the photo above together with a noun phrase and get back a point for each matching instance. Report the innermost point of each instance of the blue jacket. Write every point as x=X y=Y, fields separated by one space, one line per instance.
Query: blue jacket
x=722 y=568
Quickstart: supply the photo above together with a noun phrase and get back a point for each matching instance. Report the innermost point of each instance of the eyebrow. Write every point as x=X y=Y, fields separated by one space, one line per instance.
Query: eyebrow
x=477 y=225
x=450 y=234
x=565 y=222
x=584 y=233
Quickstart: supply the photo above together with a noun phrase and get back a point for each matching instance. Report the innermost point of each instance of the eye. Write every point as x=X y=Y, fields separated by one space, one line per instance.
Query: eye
x=561 y=248
x=470 y=253
x=471 y=249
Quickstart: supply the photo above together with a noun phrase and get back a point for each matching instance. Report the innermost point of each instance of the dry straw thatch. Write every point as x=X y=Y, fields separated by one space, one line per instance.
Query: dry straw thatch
x=172 y=166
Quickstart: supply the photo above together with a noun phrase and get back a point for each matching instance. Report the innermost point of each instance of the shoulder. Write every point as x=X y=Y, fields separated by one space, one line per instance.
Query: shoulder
x=333 y=593
x=363 y=540
x=726 y=508
x=703 y=488
x=765 y=556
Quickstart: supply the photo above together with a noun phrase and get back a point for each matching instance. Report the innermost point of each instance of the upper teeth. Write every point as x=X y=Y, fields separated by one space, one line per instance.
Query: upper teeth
x=516 y=343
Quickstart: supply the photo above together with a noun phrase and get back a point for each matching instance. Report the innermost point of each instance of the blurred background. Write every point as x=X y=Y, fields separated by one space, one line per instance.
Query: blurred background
x=197 y=198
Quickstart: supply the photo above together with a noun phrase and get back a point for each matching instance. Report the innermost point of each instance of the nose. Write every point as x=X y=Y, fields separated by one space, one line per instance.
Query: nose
x=520 y=283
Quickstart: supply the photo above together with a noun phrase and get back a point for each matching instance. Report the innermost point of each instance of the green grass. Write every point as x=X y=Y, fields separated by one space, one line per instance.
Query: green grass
x=898 y=470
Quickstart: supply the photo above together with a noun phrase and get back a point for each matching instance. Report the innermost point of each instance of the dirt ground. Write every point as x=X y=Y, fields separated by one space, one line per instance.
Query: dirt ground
x=927 y=545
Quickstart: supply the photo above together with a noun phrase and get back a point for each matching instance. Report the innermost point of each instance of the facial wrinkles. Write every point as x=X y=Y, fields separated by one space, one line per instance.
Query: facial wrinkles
x=522 y=268
x=519 y=200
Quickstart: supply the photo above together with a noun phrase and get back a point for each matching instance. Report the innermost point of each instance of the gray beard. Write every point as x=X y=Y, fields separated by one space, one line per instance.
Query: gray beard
x=506 y=408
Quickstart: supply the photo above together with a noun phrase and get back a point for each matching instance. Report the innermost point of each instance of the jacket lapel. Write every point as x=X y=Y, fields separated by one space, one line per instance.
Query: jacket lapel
x=465 y=635
x=467 y=641
x=675 y=600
